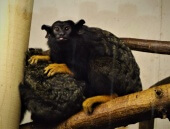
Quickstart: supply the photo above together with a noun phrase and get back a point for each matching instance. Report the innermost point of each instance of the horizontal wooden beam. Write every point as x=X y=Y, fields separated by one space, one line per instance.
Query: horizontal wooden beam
x=152 y=46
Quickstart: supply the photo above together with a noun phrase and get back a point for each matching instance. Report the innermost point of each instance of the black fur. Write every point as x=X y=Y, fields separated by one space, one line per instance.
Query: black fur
x=50 y=100
x=95 y=56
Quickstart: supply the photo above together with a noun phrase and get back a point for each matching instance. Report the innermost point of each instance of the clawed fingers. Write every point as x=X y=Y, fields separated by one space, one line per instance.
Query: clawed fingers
x=89 y=102
x=87 y=106
x=52 y=69
x=46 y=69
x=50 y=72
x=33 y=60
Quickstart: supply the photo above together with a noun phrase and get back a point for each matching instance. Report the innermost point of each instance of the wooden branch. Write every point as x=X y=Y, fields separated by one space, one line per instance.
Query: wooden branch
x=152 y=46
x=149 y=124
x=129 y=109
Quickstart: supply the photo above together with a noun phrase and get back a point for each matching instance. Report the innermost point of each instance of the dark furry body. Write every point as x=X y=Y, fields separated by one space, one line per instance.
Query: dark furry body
x=99 y=58
x=50 y=100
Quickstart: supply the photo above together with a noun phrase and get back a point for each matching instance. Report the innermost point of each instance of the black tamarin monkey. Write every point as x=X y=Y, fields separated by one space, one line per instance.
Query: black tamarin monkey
x=94 y=55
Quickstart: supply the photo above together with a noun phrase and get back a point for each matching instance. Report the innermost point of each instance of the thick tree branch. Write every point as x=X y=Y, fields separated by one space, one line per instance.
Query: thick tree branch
x=152 y=46
x=129 y=109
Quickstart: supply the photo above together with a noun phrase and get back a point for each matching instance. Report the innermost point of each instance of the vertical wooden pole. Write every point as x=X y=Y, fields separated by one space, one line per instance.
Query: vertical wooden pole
x=15 y=21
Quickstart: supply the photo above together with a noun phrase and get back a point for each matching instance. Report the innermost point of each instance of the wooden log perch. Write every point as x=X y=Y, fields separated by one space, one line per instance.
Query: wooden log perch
x=125 y=110
x=152 y=46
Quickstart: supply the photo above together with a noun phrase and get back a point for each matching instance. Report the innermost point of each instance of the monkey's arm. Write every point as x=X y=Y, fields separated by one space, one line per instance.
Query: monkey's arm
x=34 y=59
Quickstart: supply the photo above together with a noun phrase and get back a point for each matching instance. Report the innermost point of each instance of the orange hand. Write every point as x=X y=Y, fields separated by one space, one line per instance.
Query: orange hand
x=57 y=68
x=34 y=59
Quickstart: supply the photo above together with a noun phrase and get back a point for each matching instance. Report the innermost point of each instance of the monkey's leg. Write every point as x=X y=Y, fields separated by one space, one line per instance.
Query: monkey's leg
x=34 y=59
x=89 y=102
x=57 y=68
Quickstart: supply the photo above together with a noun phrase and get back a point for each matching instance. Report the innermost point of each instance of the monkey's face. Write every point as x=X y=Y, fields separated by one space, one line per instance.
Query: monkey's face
x=61 y=31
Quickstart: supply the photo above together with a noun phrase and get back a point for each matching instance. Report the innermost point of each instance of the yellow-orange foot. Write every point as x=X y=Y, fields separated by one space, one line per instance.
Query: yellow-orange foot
x=52 y=69
x=89 y=102
x=34 y=59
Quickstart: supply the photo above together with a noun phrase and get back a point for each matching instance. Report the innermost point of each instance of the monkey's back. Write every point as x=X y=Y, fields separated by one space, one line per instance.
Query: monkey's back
x=113 y=69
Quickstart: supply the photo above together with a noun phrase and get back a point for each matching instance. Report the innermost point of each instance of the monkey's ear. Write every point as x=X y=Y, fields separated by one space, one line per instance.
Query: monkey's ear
x=46 y=27
x=79 y=24
x=48 y=30
x=71 y=23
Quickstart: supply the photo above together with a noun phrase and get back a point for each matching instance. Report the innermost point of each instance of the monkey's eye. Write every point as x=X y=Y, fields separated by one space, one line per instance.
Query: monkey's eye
x=67 y=28
x=56 y=29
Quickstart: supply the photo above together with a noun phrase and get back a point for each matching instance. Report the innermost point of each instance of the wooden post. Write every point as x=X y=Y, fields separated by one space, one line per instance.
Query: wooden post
x=15 y=21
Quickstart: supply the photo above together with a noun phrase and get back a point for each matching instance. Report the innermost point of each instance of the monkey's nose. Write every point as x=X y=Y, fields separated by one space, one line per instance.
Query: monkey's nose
x=61 y=34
